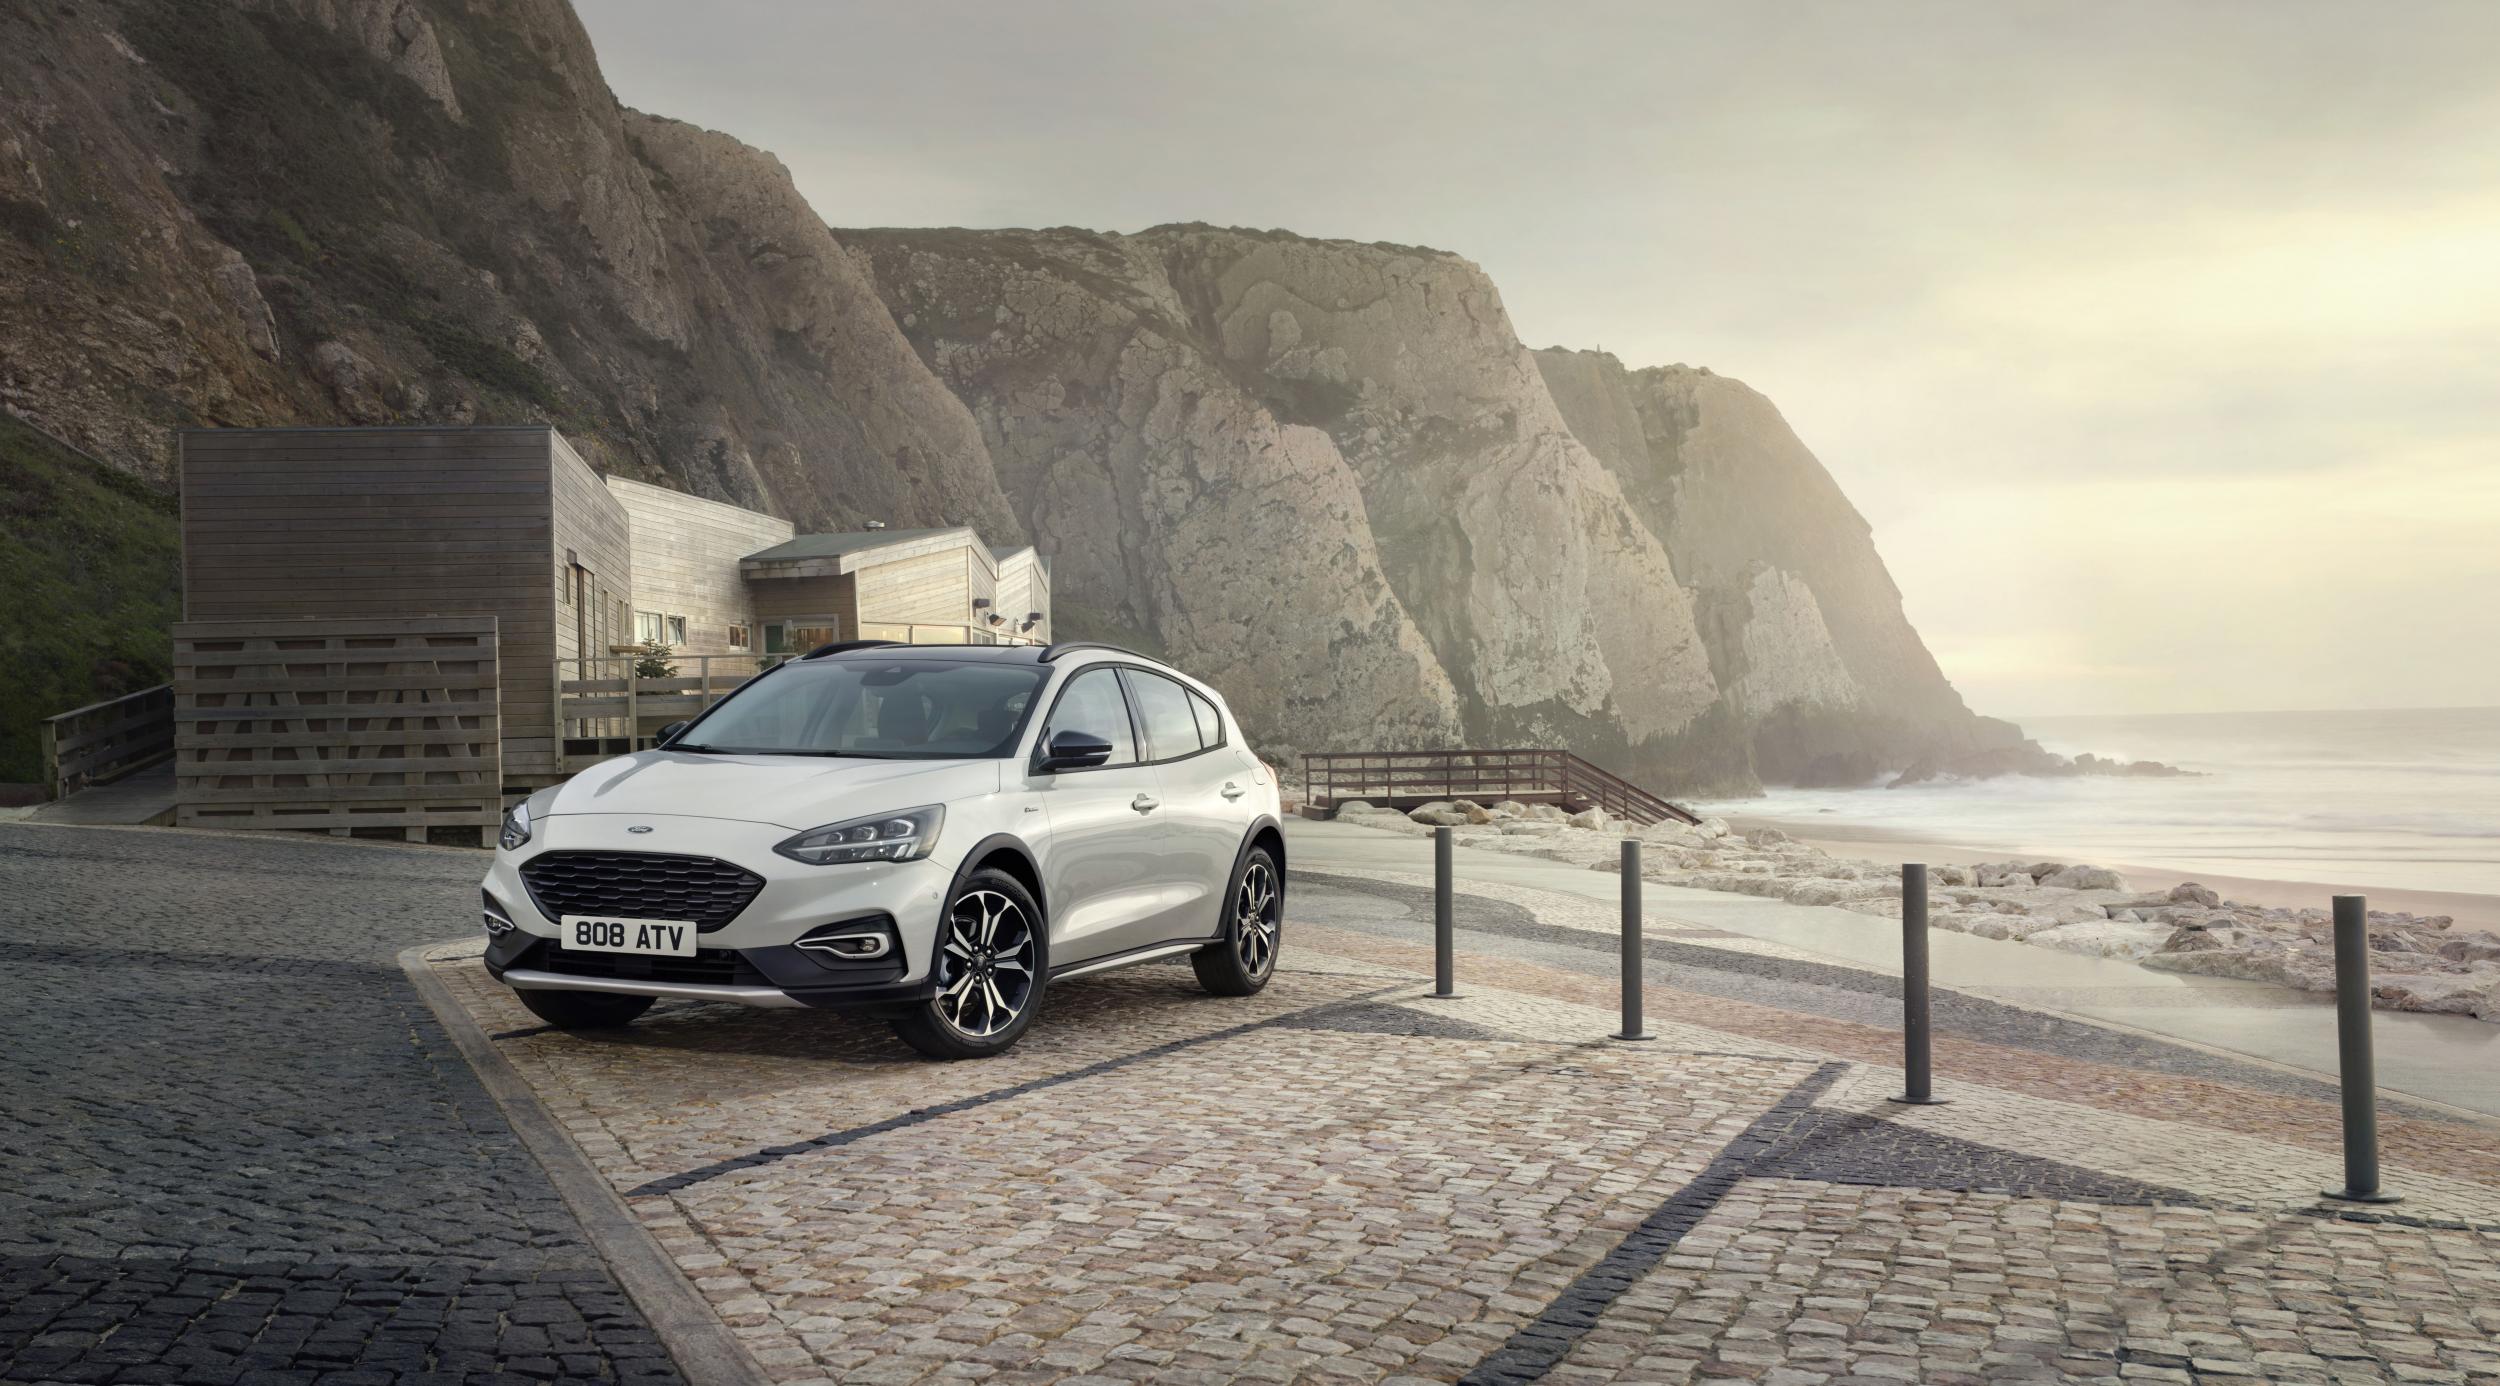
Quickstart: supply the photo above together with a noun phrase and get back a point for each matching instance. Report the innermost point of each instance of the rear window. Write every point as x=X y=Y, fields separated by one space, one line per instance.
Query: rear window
x=1210 y=722
x=1163 y=711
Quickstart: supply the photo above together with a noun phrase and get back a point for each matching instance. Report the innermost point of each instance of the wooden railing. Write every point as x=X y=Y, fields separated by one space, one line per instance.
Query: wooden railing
x=924 y=633
x=604 y=708
x=104 y=741
x=1408 y=778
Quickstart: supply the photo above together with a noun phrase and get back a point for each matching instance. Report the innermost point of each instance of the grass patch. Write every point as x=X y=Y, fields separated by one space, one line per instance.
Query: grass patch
x=90 y=560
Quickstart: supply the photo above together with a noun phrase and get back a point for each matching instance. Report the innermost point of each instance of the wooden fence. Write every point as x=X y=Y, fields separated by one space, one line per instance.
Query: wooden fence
x=104 y=741
x=338 y=724
x=604 y=708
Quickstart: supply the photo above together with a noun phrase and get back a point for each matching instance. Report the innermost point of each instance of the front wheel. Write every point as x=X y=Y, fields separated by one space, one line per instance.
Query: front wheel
x=1239 y=963
x=993 y=954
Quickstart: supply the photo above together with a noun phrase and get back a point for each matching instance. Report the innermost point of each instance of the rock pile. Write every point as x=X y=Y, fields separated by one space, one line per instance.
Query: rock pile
x=2418 y=962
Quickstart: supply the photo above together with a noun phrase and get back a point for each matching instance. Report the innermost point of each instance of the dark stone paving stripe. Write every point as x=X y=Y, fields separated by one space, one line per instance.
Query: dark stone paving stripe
x=774 y=1154
x=1797 y=1140
x=1542 y=1343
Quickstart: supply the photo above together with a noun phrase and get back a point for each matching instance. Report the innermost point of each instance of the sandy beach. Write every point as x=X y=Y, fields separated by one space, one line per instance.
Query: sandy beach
x=1882 y=844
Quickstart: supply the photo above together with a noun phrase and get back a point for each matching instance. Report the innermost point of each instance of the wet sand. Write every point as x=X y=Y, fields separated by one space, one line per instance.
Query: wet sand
x=1884 y=844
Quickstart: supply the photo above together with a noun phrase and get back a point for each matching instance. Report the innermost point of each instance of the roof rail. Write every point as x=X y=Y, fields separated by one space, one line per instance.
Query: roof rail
x=839 y=646
x=1052 y=652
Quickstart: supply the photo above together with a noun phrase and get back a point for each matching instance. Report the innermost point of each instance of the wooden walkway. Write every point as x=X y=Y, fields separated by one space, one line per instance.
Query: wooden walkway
x=142 y=797
x=1407 y=779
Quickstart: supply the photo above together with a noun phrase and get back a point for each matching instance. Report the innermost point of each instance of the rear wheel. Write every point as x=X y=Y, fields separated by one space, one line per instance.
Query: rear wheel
x=584 y=1010
x=1241 y=961
x=993 y=954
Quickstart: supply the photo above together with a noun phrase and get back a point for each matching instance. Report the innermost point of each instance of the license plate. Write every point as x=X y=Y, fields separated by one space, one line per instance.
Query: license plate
x=673 y=938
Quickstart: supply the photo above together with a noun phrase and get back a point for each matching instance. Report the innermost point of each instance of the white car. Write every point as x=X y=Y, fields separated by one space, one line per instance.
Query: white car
x=930 y=833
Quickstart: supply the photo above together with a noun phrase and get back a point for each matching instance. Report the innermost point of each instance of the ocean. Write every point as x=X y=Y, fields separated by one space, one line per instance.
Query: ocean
x=2404 y=799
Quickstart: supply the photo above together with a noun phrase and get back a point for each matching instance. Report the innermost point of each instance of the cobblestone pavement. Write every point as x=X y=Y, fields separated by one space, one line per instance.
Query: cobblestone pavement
x=1342 y=1179
x=235 y=1147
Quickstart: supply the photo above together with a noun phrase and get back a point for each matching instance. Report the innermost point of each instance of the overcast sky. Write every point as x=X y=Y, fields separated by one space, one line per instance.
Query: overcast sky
x=2156 y=340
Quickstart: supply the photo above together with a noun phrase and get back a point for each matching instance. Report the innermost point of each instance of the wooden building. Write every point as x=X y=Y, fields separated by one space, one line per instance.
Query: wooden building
x=578 y=573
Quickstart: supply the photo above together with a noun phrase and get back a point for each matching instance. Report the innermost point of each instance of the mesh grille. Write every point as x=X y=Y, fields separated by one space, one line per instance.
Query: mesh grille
x=640 y=885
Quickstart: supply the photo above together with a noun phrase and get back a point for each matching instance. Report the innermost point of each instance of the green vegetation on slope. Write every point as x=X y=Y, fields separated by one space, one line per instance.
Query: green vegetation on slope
x=90 y=561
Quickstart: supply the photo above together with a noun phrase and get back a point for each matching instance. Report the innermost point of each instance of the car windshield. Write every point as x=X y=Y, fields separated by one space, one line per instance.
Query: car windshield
x=886 y=709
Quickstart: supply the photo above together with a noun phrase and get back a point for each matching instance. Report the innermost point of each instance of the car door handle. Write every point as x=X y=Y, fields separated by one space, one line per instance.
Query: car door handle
x=1233 y=791
x=1145 y=803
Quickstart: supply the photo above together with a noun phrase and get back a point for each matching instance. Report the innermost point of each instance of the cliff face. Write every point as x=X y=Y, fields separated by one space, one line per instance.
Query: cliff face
x=381 y=211
x=1357 y=420
x=1325 y=475
x=1807 y=638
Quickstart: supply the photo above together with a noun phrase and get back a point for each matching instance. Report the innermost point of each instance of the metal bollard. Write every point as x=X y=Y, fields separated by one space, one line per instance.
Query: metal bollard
x=1917 y=1064
x=1632 y=958
x=2360 y=1068
x=1444 y=928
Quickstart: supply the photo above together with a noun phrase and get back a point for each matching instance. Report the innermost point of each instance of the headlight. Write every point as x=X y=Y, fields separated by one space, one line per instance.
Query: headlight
x=516 y=826
x=905 y=836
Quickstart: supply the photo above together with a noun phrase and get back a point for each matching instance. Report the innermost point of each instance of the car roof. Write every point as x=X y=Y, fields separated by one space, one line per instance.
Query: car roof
x=1073 y=652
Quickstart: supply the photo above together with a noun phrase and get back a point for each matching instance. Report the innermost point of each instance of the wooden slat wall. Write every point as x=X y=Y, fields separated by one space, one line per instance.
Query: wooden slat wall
x=933 y=587
x=685 y=553
x=384 y=524
x=338 y=724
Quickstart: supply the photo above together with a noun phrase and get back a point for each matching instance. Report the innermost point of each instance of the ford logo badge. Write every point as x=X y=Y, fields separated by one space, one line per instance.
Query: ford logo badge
x=639 y=828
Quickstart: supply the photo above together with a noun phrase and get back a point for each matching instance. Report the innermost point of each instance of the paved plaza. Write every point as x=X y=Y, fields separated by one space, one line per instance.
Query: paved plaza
x=232 y=1096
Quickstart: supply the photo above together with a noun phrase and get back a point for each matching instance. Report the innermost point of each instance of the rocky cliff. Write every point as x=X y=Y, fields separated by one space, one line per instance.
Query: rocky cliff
x=1326 y=475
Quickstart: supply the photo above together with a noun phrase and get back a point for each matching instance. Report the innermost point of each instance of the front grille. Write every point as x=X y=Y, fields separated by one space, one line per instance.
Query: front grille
x=723 y=967
x=639 y=885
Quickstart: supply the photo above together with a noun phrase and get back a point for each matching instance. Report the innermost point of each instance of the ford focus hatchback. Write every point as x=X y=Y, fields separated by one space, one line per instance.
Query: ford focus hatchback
x=933 y=834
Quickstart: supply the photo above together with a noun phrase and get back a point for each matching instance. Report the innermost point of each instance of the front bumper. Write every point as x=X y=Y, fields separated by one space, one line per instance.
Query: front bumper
x=752 y=959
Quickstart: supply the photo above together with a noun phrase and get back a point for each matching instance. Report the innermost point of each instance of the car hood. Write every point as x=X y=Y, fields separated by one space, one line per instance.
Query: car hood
x=794 y=792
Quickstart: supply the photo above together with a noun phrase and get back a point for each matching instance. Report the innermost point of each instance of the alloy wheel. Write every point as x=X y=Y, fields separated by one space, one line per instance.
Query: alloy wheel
x=1256 y=911
x=985 y=968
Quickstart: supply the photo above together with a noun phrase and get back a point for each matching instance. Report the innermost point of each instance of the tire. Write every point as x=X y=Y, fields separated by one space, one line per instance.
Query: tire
x=585 y=1010
x=993 y=961
x=1253 y=930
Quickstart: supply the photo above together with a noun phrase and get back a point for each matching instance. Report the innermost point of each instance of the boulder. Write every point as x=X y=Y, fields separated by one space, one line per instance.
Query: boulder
x=1548 y=812
x=2190 y=893
x=1765 y=837
x=1593 y=819
x=1820 y=891
x=1713 y=827
x=2103 y=938
x=1510 y=808
x=2471 y=948
x=2452 y=993
x=1949 y=875
x=1439 y=817
x=1532 y=828
x=2083 y=878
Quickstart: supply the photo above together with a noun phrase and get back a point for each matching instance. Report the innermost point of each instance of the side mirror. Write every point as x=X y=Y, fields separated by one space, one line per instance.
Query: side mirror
x=1073 y=750
x=669 y=732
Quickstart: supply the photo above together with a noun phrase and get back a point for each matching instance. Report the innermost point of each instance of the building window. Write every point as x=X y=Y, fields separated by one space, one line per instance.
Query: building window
x=799 y=636
x=647 y=627
x=738 y=635
x=677 y=630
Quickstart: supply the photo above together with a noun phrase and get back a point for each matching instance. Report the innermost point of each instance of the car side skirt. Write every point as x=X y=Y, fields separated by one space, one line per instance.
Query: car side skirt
x=1148 y=953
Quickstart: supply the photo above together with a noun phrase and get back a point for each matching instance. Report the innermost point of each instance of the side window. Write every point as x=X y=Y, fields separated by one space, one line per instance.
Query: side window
x=1092 y=704
x=1210 y=722
x=1163 y=709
